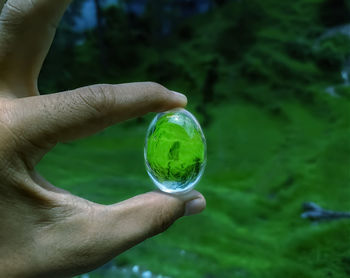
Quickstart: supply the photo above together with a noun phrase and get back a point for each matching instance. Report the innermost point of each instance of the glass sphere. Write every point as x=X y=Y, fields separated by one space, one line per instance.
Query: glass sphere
x=175 y=151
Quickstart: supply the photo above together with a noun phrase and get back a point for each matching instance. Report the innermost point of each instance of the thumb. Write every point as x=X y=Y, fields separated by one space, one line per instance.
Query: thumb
x=128 y=223
x=98 y=233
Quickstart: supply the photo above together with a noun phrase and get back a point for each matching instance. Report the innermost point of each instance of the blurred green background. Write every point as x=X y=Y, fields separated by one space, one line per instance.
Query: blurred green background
x=269 y=82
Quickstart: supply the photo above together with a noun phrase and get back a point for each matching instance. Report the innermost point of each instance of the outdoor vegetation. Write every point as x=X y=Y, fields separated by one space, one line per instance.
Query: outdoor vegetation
x=269 y=82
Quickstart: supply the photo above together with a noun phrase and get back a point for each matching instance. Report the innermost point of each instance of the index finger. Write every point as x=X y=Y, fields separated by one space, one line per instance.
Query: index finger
x=27 y=28
x=75 y=114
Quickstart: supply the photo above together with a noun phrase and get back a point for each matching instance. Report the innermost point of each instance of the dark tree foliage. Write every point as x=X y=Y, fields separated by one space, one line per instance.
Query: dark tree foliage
x=256 y=58
x=100 y=30
x=335 y=12
x=220 y=2
x=210 y=81
x=56 y=74
x=239 y=35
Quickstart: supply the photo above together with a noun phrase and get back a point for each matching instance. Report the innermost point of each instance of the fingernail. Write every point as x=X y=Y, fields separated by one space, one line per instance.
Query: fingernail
x=195 y=206
x=180 y=96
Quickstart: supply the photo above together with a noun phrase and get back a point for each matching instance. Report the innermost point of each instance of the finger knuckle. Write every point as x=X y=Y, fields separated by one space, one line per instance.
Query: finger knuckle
x=19 y=11
x=12 y=9
x=98 y=98
x=7 y=121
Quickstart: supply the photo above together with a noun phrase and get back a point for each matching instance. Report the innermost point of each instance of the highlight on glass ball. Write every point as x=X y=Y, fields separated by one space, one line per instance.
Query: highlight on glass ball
x=175 y=151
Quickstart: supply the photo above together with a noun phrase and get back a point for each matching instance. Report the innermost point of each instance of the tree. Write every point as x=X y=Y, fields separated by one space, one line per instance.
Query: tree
x=55 y=74
x=335 y=12
x=100 y=33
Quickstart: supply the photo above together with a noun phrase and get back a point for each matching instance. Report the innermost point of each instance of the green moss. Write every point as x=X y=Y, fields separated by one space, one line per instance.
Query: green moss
x=262 y=168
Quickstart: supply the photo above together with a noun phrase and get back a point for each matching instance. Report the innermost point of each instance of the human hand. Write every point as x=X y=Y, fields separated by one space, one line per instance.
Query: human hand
x=46 y=231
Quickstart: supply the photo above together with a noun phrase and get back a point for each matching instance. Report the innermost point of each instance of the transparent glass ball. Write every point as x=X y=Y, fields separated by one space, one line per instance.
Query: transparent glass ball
x=175 y=151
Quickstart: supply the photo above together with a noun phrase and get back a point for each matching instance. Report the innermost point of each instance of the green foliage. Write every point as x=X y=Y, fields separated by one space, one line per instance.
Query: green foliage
x=331 y=53
x=276 y=138
x=275 y=47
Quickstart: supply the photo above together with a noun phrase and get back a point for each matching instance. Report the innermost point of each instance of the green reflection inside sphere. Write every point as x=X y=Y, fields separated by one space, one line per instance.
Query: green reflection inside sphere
x=175 y=151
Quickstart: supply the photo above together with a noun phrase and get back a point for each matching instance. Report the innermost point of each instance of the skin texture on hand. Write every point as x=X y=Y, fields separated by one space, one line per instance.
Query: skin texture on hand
x=46 y=231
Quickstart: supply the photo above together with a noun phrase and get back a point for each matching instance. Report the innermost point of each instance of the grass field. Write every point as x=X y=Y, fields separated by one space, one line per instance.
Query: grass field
x=263 y=163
